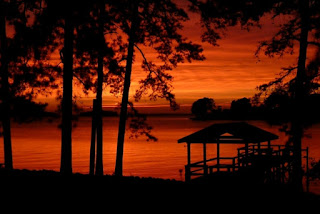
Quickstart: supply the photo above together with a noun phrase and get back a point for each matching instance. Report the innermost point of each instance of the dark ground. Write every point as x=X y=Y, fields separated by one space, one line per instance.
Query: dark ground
x=50 y=192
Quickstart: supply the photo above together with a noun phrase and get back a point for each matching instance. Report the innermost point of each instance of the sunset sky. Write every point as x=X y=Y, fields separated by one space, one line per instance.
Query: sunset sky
x=230 y=71
x=59 y=56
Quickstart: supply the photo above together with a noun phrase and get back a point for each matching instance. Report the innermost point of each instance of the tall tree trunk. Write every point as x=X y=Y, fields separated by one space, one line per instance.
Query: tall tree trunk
x=5 y=92
x=99 y=162
x=300 y=95
x=125 y=96
x=66 y=136
x=93 y=138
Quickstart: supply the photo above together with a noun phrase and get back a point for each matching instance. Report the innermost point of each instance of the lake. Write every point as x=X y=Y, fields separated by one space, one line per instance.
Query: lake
x=37 y=146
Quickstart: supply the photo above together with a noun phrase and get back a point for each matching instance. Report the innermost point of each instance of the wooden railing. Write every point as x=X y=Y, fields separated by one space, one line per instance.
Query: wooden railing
x=210 y=166
x=233 y=164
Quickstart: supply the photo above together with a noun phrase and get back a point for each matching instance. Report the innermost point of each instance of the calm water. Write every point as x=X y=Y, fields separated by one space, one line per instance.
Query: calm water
x=37 y=146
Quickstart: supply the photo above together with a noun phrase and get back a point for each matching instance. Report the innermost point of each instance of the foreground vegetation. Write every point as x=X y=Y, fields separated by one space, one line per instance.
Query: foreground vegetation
x=222 y=188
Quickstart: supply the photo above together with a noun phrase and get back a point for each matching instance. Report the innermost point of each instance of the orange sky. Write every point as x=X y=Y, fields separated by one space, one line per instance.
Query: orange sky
x=230 y=71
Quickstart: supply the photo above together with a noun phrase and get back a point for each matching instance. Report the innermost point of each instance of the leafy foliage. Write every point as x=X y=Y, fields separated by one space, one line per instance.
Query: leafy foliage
x=138 y=125
x=159 y=25
x=202 y=108
x=314 y=172
x=241 y=106
x=218 y=15
x=28 y=76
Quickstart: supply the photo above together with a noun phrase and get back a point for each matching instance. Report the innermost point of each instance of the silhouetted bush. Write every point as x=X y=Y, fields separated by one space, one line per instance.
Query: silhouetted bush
x=203 y=108
x=314 y=172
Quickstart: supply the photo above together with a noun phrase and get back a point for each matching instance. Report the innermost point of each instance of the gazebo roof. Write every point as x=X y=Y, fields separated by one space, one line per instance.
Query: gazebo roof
x=236 y=133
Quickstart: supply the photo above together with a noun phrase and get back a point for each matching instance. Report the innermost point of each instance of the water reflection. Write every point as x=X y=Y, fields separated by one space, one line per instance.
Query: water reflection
x=37 y=146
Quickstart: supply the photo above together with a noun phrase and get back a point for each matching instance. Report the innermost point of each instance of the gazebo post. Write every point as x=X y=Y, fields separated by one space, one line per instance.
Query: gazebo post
x=189 y=153
x=205 y=168
x=247 y=149
x=247 y=153
x=218 y=156
x=187 y=167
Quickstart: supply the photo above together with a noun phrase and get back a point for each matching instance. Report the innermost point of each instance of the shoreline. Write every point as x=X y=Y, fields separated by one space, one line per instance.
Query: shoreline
x=42 y=178
x=47 y=190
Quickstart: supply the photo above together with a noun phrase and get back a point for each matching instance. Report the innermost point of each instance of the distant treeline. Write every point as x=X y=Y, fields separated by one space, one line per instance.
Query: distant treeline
x=103 y=113
x=25 y=110
x=275 y=108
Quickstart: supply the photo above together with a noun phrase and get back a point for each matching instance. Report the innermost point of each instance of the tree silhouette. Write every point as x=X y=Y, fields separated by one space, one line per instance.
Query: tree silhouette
x=155 y=24
x=5 y=89
x=202 y=108
x=101 y=39
x=23 y=76
x=241 y=107
x=314 y=172
x=58 y=32
x=80 y=31
x=302 y=23
x=66 y=146
x=278 y=104
x=91 y=43
x=97 y=62
x=125 y=95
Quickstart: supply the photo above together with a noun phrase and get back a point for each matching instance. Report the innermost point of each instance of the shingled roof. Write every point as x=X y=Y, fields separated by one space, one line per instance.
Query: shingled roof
x=229 y=133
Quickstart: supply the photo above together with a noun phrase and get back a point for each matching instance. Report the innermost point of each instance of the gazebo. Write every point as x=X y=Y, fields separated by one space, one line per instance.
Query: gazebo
x=254 y=141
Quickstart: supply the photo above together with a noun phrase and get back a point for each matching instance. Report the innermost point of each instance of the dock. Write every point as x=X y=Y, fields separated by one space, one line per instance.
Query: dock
x=256 y=155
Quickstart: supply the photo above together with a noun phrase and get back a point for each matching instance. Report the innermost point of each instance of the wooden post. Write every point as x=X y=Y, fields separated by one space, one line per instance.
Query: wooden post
x=259 y=148
x=205 y=168
x=218 y=157
x=269 y=144
x=238 y=158
x=233 y=164
x=93 y=138
x=187 y=173
x=247 y=149
x=247 y=154
x=189 y=153
x=307 y=169
x=187 y=167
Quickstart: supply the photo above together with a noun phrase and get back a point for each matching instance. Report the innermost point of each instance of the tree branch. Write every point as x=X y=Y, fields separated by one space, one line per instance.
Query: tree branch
x=144 y=57
x=314 y=43
x=80 y=80
x=62 y=61
x=165 y=92
x=288 y=71
x=148 y=66
x=111 y=32
x=309 y=42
